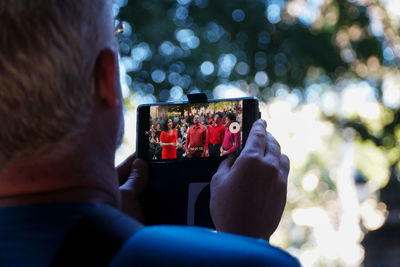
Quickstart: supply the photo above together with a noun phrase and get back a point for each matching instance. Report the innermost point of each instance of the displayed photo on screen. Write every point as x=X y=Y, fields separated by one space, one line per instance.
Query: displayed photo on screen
x=195 y=130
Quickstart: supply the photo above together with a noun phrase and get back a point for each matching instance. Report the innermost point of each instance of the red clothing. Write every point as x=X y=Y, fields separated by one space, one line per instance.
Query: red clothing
x=169 y=152
x=196 y=136
x=215 y=134
x=231 y=141
x=210 y=121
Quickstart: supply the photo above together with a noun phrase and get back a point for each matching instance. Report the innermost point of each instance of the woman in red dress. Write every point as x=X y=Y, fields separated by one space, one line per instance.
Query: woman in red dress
x=168 y=139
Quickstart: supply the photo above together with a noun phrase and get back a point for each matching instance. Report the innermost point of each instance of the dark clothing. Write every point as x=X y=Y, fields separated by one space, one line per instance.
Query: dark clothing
x=214 y=150
x=154 y=150
x=30 y=236
x=196 y=152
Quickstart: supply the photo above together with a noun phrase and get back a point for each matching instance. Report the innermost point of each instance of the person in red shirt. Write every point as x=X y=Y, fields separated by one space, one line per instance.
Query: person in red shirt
x=215 y=136
x=168 y=139
x=196 y=139
x=232 y=140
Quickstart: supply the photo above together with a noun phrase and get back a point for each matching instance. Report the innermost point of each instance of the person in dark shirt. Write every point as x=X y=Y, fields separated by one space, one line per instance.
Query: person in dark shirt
x=210 y=119
x=154 y=145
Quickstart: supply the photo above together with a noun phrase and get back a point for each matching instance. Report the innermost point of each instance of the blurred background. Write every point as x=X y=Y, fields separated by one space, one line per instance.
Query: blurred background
x=326 y=73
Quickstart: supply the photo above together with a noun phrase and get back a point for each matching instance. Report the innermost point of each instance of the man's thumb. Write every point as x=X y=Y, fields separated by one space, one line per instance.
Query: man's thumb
x=137 y=179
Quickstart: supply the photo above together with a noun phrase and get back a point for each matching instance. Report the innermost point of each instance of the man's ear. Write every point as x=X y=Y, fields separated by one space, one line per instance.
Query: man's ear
x=105 y=74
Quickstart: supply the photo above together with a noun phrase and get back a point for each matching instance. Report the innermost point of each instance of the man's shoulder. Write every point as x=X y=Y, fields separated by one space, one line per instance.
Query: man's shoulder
x=194 y=246
x=43 y=227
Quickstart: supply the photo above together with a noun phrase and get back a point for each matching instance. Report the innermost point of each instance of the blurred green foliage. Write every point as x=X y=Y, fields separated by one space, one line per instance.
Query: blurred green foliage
x=170 y=40
x=284 y=50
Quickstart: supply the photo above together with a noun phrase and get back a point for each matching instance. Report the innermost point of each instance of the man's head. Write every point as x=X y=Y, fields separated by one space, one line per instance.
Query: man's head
x=196 y=119
x=217 y=117
x=48 y=56
x=229 y=118
x=60 y=100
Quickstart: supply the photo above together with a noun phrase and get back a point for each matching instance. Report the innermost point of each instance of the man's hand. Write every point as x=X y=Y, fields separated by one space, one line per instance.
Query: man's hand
x=133 y=176
x=248 y=194
x=223 y=153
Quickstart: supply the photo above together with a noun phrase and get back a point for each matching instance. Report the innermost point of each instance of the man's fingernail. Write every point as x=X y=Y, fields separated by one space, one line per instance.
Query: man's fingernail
x=135 y=163
x=139 y=164
x=264 y=122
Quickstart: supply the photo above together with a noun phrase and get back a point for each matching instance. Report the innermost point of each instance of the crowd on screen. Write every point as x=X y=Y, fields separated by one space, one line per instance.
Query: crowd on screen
x=195 y=135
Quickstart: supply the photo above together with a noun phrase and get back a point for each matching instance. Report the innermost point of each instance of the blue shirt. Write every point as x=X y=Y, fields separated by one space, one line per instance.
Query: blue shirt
x=31 y=235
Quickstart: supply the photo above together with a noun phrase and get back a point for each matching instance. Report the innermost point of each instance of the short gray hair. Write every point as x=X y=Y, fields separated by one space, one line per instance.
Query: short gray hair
x=48 y=51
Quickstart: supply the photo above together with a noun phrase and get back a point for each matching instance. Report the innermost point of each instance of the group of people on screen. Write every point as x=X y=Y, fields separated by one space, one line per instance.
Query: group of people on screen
x=196 y=136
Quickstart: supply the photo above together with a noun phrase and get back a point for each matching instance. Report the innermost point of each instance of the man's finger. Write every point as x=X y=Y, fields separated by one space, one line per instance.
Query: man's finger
x=132 y=189
x=226 y=164
x=272 y=155
x=257 y=140
x=284 y=167
x=272 y=146
x=124 y=169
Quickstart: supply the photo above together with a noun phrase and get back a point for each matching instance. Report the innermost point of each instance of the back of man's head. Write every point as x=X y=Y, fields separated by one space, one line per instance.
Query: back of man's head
x=48 y=50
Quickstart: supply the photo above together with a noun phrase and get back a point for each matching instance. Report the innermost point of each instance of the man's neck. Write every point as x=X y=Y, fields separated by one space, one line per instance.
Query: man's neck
x=78 y=175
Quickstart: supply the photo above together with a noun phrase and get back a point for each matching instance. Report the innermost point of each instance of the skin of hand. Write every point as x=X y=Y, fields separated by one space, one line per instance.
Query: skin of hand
x=248 y=194
x=133 y=177
x=167 y=144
